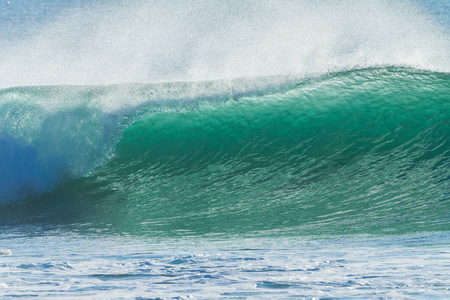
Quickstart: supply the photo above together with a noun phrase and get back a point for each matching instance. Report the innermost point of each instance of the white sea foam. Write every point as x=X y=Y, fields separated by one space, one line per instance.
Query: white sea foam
x=6 y=252
x=149 y=41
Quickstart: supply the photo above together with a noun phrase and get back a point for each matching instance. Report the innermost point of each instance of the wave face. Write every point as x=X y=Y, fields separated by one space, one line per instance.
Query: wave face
x=363 y=151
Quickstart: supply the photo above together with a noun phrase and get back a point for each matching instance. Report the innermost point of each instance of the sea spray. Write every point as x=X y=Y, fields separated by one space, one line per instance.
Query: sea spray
x=153 y=41
x=329 y=181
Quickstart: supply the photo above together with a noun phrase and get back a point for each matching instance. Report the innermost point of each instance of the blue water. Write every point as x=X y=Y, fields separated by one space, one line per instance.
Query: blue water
x=238 y=150
x=65 y=265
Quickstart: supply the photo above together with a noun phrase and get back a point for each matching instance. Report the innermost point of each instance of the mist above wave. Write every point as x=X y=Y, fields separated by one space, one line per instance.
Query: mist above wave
x=148 y=41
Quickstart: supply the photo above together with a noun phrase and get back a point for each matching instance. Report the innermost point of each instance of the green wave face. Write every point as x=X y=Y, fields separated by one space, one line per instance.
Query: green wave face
x=359 y=152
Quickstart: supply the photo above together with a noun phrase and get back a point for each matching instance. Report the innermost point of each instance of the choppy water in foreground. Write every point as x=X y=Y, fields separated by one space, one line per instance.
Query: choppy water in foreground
x=59 y=265
x=210 y=149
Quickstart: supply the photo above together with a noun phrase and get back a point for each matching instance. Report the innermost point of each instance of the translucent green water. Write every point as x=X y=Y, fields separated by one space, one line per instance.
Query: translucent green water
x=365 y=151
x=225 y=149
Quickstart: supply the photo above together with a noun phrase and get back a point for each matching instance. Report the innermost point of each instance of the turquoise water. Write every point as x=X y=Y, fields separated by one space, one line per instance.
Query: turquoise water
x=225 y=154
x=364 y=151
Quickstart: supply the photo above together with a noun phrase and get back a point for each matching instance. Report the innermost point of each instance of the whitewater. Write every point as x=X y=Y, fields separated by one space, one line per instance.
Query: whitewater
x=206 y=149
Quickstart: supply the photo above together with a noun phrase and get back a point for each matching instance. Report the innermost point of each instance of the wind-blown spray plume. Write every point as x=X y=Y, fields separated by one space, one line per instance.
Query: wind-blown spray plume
x=201 y=40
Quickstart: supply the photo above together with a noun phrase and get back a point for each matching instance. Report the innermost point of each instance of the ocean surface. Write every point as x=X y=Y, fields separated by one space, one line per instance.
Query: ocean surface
x=225 y=150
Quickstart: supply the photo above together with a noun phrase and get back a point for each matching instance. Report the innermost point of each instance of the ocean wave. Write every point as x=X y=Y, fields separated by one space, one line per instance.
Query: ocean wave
x=358 y=151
